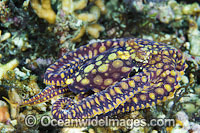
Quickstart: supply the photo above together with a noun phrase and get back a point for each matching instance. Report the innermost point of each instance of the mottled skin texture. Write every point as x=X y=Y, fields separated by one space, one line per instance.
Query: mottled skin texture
x=123 y=74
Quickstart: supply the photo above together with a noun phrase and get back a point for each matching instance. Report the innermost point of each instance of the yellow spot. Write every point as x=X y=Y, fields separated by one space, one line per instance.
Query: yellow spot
x=170 y=79
x=102 y=49
x=52 y=82
x=165 y=53
x=147 y=105
x=166 y=67
x=108 y=43
x=117 y=64
x=117 y=89
x=153 y=103
x=108 y=81
x=158 y=101
x=62 y=75
x=105 y=110
x=142 y=106
x=98 y=80
x=159 y=65
x=143 y=97
x=98 y=63
x=88 y=104
x=92 y=102
x=125 y=69
x=103 y=68
x=90 y=54
x=112 y=92
x=152 y=95
x=69 y=81
x=45 y=98
x=95 y=112
x=84 y=107
x=136 y=78
x=54 y=111
x=112 y=56
x=158 y=72
x=159 y=91
x=50 y=69
x=137 y=107
x=78 y=78
x=135 y=100
x=71 y=70
x=99 y=57
x=132 y=108
x=80 y=56
x=58 y=83
x=85 y=81
x=168 y=87
x=118 y=101
x=128 y=108
x=131 y=83
x=124 y=85
x=108 y=96
x=166 y=60
x=94 y=45
x=155 y=52
x=59 y=116
x=97 y=101
x=110 y=107
x=182 y=73
x=95 y=52
x=94 y=71
x=152 y=62
x=121 y=43
x=144 y=79
x=123 y=55
x=65 y=57
x=89 y=68
x=102 y=98
x=115 y=75
x=74 y=113
x=164 y=74
x=158 y=58
x=171 y=51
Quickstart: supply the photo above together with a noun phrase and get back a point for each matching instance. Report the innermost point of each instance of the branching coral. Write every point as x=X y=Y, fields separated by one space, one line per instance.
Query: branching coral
x=44 y=10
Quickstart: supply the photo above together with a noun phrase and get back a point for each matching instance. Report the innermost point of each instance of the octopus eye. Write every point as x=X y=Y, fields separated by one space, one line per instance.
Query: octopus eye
x=134 y=71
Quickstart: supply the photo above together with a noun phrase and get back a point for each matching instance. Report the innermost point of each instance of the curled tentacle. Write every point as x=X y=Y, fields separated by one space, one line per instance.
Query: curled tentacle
x=101 y=102
x=48 y=93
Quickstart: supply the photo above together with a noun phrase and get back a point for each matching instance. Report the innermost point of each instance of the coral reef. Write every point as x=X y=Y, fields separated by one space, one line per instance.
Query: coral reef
x=88 y=19
x=44 y=10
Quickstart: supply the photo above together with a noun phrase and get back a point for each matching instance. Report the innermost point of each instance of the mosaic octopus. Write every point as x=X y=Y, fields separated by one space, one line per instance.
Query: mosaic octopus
x=123 y=75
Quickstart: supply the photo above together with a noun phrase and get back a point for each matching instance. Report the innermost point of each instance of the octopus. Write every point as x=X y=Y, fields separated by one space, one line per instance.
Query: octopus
x=118 y=75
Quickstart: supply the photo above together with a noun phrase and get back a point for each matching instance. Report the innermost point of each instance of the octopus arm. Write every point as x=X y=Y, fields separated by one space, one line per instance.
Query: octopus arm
x=48 y=93
x=102 y=102
x=58 y=73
